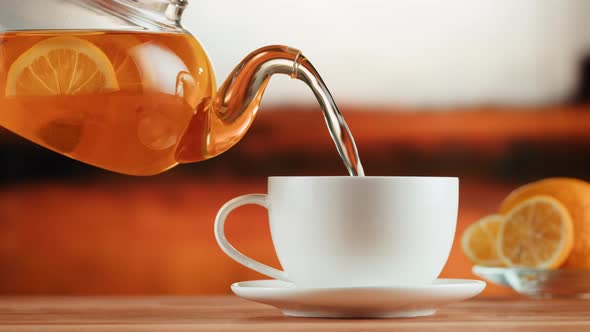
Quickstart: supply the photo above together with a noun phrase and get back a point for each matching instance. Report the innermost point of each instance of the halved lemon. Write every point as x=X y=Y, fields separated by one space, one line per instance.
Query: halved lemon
x=574 y=194
x=62 y=65
x=537 y=233
x=479 y=241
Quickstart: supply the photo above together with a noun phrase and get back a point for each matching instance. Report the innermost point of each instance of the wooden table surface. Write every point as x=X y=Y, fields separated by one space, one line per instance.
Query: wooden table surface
x=229 y=313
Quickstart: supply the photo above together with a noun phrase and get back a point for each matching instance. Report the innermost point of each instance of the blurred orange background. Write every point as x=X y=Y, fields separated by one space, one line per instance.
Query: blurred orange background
x=68 y=228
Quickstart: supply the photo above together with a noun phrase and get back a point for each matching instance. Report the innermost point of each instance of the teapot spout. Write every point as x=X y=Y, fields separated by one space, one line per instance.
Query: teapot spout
x=243 y=90
x=232 y=110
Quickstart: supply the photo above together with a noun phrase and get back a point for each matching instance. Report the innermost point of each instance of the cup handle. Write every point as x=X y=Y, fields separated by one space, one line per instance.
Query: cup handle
x=258 y=199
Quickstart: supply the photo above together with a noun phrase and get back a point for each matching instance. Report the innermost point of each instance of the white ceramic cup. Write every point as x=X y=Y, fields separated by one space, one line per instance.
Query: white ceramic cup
x=354 y=231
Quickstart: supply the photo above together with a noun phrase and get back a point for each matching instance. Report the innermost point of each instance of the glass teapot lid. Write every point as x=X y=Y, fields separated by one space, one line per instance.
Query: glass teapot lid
x=141 y=15
x=158 y=12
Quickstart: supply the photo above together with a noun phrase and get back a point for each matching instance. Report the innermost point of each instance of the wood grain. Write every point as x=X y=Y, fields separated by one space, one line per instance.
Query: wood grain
x=229 y=313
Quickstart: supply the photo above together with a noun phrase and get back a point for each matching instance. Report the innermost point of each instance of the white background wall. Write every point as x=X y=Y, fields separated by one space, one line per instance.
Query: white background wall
x=409 y=52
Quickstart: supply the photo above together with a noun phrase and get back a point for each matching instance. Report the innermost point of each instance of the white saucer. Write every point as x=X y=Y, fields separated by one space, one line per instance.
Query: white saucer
x=358 y=302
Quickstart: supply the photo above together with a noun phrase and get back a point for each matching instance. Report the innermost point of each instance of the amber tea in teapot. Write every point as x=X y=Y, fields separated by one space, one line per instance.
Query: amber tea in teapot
x=137 y=95
x=97 y=97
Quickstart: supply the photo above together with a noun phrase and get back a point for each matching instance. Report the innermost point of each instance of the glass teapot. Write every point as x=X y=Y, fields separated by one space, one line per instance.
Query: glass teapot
x=119 y=84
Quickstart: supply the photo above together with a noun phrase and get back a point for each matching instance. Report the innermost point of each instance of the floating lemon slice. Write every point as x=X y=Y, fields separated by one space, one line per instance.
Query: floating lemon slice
x=537 y=233
x=61 y=66
x=119 y=50
x=479 y=241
